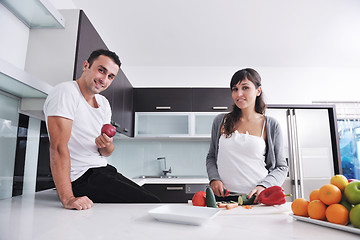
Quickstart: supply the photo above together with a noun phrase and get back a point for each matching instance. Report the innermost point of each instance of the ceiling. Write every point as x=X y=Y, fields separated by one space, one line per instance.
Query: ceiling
x=201 y=34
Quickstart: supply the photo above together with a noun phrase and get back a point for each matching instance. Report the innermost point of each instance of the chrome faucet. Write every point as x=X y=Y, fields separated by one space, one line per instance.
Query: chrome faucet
x=165 y=170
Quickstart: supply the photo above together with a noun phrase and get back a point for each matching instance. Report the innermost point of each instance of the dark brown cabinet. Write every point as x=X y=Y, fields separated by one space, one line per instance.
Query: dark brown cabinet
x=168 y=193
x=211 y=100
x=162 y=99
x=120 y=96
x=182 y=100
x=127 y=121
x=174 y=193
x=88 y=40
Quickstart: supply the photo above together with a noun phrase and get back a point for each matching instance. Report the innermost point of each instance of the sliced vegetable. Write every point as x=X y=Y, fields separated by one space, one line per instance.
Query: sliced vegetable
x=232 y=205
x=244 y=200
x=247 y=206
x=210 y=198
x=221 y=204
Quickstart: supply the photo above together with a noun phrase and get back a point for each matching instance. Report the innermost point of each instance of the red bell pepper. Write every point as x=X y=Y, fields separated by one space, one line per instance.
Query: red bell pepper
x=274 y=195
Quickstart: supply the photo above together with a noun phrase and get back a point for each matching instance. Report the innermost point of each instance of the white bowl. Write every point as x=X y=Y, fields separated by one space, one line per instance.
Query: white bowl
x=184 y=214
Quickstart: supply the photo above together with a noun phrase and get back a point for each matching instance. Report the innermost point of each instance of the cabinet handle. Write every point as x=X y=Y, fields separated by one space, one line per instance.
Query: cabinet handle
x=219 y=108
x=115 y=124
x=174 y=188
x=163 y=108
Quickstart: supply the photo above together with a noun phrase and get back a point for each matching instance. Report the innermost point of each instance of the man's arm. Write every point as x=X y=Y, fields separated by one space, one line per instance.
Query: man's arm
x=105 y=145
x=59 y=131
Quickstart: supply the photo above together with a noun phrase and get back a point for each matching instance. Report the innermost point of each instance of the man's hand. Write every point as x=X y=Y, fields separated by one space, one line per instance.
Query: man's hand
x=78 y=203
x=103 y=141
x=104 y=144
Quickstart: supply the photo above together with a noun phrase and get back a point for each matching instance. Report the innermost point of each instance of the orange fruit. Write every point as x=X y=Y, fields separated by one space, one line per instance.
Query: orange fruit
x=316 y=210
x=337 y=213
x=340 y=181
x=314 y=195
x=299 y=207
x=330 y=194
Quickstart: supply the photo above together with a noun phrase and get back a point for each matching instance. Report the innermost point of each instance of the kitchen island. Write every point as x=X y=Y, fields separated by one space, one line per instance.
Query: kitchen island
x=41 y=216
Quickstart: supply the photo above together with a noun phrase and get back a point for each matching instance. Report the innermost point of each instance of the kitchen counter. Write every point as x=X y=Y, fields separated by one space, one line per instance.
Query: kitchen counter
x=41 y=216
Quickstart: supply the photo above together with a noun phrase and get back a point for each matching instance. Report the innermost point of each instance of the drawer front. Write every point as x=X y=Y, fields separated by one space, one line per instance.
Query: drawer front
x=168 y=193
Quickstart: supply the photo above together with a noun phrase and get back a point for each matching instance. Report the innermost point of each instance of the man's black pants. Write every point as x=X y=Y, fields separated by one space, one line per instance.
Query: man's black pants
x=106 y=185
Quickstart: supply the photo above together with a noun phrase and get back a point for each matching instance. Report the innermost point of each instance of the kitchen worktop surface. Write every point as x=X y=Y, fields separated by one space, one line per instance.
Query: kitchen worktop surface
x=41 y=216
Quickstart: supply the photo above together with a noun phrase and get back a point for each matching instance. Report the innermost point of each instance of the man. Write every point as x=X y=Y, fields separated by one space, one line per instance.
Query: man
x=75 y=113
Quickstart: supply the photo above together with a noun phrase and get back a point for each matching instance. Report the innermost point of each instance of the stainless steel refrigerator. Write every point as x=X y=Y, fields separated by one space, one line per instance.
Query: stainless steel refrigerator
x=311 y=145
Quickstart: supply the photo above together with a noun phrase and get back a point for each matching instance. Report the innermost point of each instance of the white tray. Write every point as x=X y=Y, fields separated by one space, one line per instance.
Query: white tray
x=184 y=214
x=348 y=228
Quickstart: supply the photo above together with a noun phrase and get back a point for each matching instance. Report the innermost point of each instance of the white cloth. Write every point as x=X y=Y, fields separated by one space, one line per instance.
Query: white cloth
x=241 y=161
x=66 y=100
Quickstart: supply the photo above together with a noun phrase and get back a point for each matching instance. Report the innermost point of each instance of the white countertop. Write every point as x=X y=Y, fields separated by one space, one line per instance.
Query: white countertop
x=42 y=217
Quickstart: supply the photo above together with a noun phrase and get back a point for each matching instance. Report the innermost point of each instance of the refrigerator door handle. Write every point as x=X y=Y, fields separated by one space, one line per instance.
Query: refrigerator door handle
x=298 y=156
x=292 y=156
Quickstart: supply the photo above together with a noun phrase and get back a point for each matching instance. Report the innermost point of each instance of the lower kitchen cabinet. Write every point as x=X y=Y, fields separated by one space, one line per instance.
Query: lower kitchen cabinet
x=174 y=193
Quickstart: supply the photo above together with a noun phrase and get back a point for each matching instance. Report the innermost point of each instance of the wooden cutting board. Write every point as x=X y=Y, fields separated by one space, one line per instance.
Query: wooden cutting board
x=258 y=210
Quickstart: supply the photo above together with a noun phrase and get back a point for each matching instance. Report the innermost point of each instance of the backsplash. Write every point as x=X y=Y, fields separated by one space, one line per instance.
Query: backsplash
x=136 y=157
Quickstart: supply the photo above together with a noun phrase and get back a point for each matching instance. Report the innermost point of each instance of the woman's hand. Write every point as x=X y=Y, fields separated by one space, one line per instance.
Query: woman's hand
x=218 y=188
x=257 y=190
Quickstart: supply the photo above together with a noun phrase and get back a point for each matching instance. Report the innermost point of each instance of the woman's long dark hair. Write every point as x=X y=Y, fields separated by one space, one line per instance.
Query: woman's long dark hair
x=232 y=117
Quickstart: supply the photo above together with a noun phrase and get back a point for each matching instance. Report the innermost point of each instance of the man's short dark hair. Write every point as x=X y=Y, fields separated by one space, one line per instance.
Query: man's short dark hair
x=95 y=54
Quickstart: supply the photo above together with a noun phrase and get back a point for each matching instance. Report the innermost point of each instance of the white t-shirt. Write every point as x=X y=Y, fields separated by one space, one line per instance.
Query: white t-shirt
x=66 y=100
x=241 y=161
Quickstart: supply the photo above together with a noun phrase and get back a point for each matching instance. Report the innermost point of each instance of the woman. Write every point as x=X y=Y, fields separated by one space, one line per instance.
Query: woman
x=246 y=150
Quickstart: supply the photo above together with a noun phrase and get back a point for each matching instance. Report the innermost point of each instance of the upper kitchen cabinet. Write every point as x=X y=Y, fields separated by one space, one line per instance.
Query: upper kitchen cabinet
x=127 y=116
x=182 y=100
x=211 y=100
x=36 y=14
x=120 y=96
x=87 y=40
x=57 y=55
x=162 y=99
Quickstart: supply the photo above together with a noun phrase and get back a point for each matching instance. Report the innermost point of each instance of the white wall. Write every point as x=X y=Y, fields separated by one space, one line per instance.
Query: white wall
x=14 y=38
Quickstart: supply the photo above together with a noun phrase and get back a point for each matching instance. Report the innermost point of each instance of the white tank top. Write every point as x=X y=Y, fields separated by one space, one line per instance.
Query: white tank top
x=241 y=161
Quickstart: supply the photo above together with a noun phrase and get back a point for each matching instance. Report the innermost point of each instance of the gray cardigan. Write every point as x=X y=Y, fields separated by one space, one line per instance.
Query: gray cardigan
x=275 y=161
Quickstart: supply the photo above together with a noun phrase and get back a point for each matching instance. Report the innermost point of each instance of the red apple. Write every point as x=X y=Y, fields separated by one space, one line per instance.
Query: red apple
x=352 y=180
x=109 y=130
